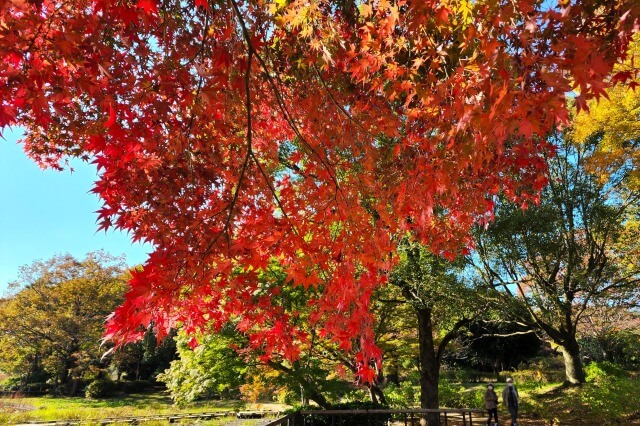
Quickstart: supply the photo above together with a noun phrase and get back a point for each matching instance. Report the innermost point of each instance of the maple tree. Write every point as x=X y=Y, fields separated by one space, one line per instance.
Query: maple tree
x=229 y=133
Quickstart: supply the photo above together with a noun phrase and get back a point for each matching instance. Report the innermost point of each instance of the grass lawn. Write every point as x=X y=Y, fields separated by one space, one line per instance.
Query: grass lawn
x=20 y=410
x=613 y=403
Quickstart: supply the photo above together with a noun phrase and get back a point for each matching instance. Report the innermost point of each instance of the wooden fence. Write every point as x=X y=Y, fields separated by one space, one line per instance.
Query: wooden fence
x=409 y=417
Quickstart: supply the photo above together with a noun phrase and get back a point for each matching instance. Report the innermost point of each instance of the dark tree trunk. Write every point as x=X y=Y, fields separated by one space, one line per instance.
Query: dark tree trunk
x=372 y=395
x=565 y=338
x=74 y=387
x=375 y=387
x=574 y=370
x=376 y=394
x=429 y=366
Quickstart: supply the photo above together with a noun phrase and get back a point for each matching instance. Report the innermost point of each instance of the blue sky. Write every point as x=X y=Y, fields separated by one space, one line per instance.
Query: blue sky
x=45 y=212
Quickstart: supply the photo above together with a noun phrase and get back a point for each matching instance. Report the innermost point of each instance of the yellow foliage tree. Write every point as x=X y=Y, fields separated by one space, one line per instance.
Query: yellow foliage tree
x=616 y=122
x=53 y=322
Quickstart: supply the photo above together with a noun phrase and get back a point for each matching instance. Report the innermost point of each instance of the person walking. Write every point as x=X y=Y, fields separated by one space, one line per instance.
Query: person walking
x=511 y=400
x=491 y=404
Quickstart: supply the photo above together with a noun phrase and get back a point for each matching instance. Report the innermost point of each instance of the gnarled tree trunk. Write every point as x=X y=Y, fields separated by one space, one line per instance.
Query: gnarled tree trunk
x=574 y=370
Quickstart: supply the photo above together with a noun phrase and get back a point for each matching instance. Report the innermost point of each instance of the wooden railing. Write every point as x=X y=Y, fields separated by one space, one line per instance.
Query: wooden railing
x=288 y=420
x=408 y=417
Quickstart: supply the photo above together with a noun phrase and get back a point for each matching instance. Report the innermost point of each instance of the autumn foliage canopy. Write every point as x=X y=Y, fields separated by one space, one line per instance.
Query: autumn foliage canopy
x=313 y=134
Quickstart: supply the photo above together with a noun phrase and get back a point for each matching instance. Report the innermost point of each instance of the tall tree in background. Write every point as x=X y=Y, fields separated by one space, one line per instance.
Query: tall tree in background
x=55 y=319
x=443 y=307
x=561 y=258
x=228 y=133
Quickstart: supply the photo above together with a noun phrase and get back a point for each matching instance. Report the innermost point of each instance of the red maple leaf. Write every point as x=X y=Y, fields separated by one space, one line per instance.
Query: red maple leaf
x=149 y=6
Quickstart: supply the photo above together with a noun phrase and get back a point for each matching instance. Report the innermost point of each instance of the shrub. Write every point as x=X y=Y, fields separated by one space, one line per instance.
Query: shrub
x=609 y=390
x=11 y=384
x=545 y=363
x=622 y=348
x=102 y=388
x=354 y=394
x=453 y=395
x=36 y=388
x=603 y=372
x=403 y=395
x=537 y=371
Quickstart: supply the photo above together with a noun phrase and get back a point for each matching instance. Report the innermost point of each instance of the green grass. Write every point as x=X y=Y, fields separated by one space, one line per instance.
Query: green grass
x=589 y=404
x=78 y=408
x=609 y=402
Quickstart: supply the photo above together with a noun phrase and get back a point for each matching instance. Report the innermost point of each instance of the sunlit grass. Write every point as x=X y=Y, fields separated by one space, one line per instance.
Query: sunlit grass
x=18 y=410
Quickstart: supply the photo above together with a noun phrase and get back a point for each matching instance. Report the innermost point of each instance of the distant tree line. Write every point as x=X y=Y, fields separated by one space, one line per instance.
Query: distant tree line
x=51 y=325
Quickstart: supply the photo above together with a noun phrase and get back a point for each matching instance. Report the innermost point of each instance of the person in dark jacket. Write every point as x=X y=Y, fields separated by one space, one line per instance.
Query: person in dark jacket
x=511 y=400
x=491 y=403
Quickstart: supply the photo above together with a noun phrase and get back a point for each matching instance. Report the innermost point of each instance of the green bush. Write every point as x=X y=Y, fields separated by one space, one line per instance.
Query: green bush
x=550 y=362
x=453 y=395
x=603 y=372
x=610 y=391
x=102 y=388
x=401 y=396
x=11 y=384
x=38 y=387
x=136 y=386
x=548 y=369
x=622 y=348
x=545 y=370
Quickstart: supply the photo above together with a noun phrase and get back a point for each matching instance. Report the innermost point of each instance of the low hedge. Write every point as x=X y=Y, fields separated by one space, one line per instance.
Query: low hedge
x=101 y=388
